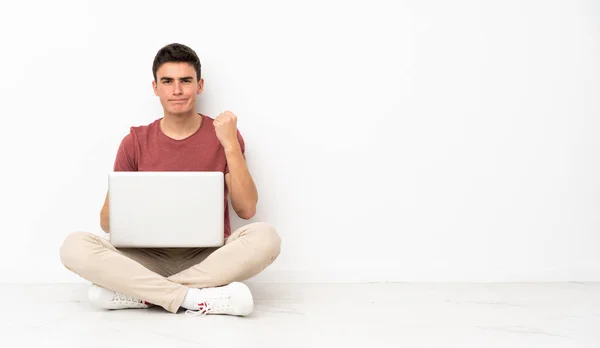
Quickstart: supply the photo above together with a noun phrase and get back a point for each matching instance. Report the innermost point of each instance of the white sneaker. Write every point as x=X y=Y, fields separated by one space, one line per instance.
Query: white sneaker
x=109 y=299
x=232 y=299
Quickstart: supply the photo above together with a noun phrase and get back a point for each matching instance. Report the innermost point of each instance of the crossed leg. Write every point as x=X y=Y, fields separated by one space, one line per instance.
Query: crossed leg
x=159 y=277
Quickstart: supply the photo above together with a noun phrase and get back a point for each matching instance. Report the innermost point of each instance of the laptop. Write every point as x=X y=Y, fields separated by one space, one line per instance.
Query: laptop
x=166 y=209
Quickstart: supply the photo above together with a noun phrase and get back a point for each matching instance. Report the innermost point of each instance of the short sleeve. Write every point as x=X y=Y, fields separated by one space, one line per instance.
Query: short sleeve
x=242 y=147
x=125 y=160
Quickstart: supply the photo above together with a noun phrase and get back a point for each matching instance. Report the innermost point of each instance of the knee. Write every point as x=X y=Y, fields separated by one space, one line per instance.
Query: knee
x=72 y=249
x=270 y=241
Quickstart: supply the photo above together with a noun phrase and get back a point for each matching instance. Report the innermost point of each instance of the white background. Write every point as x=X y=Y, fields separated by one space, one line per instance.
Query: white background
x=390 y=141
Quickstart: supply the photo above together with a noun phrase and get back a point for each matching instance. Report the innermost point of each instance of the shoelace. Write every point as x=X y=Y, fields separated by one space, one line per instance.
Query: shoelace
x=127 y=299
x=203 y=308
x=216 y=305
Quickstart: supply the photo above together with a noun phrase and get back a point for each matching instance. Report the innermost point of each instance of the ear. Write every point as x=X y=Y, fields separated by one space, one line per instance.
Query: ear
x=155 y=87
x=200 y=86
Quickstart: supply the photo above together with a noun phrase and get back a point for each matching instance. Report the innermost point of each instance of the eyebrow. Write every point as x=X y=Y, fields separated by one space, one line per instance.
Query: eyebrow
x=181 y=78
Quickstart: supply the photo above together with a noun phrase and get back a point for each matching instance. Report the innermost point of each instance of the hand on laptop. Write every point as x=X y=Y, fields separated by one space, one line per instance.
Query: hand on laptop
x=226 y=129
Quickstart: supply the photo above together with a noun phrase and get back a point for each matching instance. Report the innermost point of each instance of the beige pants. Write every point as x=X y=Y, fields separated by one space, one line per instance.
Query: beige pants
x=163 y=276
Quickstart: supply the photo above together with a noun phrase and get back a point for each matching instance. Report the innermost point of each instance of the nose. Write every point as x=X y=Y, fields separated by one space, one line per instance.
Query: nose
x=177 y=88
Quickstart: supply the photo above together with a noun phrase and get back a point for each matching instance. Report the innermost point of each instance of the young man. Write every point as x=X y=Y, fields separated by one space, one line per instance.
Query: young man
x=203 y=281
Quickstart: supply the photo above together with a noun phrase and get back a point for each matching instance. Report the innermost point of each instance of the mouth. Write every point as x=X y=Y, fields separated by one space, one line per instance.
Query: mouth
x=177 y=101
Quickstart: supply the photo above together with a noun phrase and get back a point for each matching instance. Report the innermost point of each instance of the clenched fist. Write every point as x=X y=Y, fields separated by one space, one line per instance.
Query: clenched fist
x=226 y=129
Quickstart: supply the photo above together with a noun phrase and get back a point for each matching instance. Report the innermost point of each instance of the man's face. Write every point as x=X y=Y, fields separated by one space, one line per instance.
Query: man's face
x=177 y=86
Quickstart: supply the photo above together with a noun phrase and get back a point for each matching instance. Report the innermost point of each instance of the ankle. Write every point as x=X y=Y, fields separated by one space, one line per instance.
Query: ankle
x=190 y=300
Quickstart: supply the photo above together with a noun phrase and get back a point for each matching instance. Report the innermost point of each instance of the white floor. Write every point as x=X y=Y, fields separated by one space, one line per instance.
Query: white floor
x=319 y=315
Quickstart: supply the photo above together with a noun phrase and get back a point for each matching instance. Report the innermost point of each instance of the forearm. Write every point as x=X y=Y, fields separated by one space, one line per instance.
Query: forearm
x=242 y=189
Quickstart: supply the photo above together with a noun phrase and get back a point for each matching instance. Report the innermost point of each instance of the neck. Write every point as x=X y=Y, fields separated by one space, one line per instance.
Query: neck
x=180 y=126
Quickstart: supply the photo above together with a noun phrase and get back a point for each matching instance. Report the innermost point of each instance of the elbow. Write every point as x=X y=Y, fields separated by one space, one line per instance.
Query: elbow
x=247 y=214
x=246 y=209
x=104 y=224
